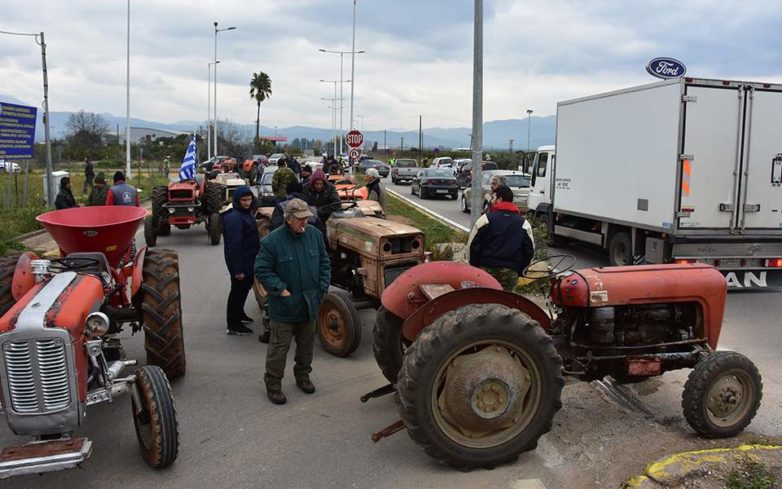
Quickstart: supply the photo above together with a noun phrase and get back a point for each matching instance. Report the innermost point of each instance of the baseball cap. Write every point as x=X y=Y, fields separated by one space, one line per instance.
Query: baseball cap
x=297 y=208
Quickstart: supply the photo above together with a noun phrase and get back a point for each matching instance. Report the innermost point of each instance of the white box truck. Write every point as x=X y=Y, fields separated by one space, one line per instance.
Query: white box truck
x=680 y=170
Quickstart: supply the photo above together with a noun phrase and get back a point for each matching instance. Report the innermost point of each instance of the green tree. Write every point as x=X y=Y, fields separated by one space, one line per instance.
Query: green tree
x=260 y=90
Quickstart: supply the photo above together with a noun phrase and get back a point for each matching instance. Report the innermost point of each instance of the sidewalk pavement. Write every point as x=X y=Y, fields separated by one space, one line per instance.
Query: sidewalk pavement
x=682 y=469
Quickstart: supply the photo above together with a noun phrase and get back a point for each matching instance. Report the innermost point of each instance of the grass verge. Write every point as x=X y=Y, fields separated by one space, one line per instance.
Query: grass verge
x=436 y=232
x=15 y=222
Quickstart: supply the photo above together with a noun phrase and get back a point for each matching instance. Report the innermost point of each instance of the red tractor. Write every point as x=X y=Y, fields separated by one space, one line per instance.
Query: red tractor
x=184 y=204
x=479 y=371
x=60 y=351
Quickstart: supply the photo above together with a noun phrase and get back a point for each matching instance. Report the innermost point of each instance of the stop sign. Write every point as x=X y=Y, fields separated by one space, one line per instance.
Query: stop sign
x=355 y=139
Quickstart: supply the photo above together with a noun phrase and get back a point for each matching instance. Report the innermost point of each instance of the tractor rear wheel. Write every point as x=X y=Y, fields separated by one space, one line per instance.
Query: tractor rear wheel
x=214 y=229
x=150 y=231
x=722 y=394
x=157 y=428
x=7 y=269
x=479 y=386
x=162 y=312
x=339 y=326
x=387 y=343
x=215 y=193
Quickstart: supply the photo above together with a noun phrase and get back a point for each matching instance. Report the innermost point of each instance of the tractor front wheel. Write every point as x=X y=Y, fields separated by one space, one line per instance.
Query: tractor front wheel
x=479 y=386
x=722 y=394
x=339 y=326
x=7 y=269
x=157 y=428
x=150 y=231
x=387 y=343
x=162 y=312
x=214 y=229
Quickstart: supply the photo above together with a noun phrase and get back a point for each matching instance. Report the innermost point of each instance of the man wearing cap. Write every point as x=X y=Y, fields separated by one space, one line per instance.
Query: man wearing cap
x=374 y=191
x=293 y=266
x=99 y=191
x=122 y=193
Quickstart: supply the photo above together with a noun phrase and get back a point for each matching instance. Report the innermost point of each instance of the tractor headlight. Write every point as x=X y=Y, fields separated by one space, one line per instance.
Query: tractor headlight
x=190 y=209
x=97 y=324
x=171 y=210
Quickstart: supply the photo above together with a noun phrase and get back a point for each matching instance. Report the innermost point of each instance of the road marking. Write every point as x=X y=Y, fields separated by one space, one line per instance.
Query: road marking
x=432 y=213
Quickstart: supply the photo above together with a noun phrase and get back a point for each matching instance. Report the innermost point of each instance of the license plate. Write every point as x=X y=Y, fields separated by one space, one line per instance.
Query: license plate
x=730 y=262
x=441 y=191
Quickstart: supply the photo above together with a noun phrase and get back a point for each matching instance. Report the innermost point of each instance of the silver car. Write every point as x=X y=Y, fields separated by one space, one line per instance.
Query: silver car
x=518 y=182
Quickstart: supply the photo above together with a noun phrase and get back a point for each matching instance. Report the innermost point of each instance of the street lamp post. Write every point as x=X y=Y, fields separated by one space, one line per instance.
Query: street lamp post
x=341 y=104
x=353 y=64
x=477 y=114
x=215 y=63
x=209 y=111
x=529 y=126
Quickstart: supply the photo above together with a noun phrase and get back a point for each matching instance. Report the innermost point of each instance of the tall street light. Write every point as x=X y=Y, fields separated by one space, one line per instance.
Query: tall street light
x=529 y=125
x=341 y=105
x=353 y=63
x=477 y=113
x=127 y=103
x=215 y=62
x=333 y=108
x=209 y=111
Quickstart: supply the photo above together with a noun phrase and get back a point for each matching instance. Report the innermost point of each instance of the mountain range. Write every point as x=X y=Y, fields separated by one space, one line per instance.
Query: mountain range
x=496 y=134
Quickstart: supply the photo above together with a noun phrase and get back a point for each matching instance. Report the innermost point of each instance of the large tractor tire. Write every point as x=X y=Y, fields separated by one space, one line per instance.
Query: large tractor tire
x=722 y=394
x=339 y=326
x=159 y=199
x=215 y=194
x=162 y=312
x=7 y=269
x=479 y=386
x=387 y=343
x=157 y=428
x=150 y=231
x=214 y=229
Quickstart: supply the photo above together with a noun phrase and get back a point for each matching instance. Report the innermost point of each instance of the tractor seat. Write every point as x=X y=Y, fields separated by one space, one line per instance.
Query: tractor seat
x=101 y=266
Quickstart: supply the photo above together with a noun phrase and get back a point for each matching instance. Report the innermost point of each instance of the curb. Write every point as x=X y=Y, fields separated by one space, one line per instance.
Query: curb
x=678 y=468
x=429 y=212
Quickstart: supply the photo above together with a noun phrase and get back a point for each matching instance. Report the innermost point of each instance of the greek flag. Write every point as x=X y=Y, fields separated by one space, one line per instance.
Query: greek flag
x=187 y=170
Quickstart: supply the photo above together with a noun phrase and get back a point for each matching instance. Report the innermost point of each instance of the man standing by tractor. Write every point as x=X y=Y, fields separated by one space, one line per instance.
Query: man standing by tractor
x=293 y=266
x=122 y=193
x=99 y=191
x=501 y=242
x=240 y=238
x=65 y=199
x=89 y=175
x=374 y=191
x=281 y=178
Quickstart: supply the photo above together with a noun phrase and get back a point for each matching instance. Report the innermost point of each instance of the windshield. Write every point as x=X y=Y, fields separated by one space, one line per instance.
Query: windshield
x=432 y=172
x=267 y=178
x=445 y=161
x=276 y=155
x=406 y=164
x=516 y=181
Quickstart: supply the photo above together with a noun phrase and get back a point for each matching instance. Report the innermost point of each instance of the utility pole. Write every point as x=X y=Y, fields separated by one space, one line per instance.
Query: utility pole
x=420 y=136
x=477 y=114
x=510 y=146
x=385 y=145
x=402 y=145
x=529 y=126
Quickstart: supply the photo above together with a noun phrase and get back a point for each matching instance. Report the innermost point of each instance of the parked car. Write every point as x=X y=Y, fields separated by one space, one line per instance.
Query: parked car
x=442 y=162
x=381 y=167
x=9 y=166
x=274 y=158
x=464 y=174
x=404 y=170
x=434 y=181
x=517 y=181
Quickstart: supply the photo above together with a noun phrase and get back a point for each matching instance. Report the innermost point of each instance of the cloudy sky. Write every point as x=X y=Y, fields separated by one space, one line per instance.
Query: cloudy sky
x=418 y=60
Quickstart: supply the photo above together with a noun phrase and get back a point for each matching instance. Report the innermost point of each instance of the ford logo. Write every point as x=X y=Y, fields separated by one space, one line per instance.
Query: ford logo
x=666 y=68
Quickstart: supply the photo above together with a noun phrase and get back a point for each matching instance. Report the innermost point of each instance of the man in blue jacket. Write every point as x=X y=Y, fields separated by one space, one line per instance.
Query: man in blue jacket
x=293 y=266
x=241 y=244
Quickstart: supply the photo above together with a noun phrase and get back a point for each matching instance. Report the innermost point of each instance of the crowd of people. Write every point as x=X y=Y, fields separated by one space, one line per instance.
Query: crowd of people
x=121 y=193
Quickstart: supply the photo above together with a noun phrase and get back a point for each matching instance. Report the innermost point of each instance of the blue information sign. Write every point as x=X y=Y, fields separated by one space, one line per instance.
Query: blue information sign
x=17 y=131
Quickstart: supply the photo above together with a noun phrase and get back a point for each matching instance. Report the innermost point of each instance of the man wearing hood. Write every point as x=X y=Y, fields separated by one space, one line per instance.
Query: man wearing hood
x=241 y=244
x=65 y=199
x=322 y=195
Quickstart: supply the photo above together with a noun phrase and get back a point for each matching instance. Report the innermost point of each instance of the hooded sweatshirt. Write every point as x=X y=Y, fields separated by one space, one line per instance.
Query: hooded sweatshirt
x=240 y=236
x=326 y=200
x=65 y=199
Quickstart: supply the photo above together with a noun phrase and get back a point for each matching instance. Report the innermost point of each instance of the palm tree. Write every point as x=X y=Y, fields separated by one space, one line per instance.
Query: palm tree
x=260 y=90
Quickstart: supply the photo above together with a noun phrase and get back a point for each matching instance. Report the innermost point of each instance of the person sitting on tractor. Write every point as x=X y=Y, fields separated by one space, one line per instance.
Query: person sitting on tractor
x=65 y=199
x=281 y=178
x=374 y=191
x=323 y=195
x=122 y=193
x=305 y=175
x=99 y=191
x=501 y=242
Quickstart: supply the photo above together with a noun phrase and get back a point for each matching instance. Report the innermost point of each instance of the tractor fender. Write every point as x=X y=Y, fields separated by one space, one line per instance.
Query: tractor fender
x=404 y=296
x=426 y=314
x=23 y=279
x=138 y=268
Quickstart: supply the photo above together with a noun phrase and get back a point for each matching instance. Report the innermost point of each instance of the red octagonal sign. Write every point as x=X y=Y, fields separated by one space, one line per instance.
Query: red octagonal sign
x=355 y=138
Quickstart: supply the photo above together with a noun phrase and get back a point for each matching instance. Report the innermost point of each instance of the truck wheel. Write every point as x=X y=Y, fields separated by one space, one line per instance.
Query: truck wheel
x=150 y=231
x=7 y=269
x=162 y=312
x=479 y=386
x=339 y=327
x=388 y=344
x=157 y=428
x=215 y=193
x=722 y=394
x=463 y=205
x=620 y=249
x=214 y=229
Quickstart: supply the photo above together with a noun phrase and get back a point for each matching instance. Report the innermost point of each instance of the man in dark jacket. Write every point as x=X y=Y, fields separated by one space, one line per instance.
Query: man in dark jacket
x=122 y=193
x=293 y=266
x=89 y=174
x=323 y=195
x=240 y=238
x=65 y=199
x=305 y=175
x=294 y=192
x=99 y=191
x=501 y=241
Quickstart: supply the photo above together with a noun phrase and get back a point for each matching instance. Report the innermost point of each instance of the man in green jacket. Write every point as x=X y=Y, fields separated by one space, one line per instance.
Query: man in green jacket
x=293 y=266
x=99 y=191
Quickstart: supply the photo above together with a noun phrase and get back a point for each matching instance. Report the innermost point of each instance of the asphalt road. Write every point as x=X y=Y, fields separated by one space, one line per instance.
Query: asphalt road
x=232 y=436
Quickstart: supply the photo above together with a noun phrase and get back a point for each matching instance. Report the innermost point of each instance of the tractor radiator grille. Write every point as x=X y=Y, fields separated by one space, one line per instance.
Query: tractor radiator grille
x=180 y=194
x=37 y=376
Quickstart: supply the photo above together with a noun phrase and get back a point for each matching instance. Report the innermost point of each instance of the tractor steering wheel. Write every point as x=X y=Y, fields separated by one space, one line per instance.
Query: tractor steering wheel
x=555 y=264
x=73 y=263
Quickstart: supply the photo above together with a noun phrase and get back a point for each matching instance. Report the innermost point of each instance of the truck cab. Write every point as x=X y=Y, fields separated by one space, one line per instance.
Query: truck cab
x=542 y=165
